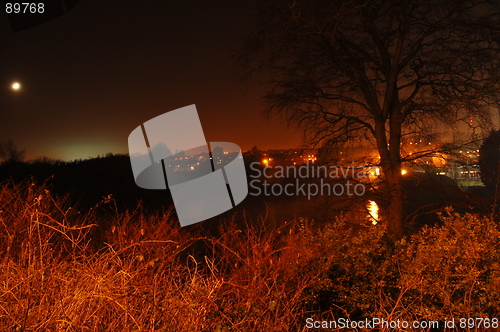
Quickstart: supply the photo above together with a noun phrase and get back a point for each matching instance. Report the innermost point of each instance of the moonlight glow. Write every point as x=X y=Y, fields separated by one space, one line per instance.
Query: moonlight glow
x=16 y=86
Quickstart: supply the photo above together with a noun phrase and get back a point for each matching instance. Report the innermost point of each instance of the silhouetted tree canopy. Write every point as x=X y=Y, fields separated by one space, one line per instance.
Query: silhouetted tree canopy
x=489 y=160
x=10 y=153
x=377 y=70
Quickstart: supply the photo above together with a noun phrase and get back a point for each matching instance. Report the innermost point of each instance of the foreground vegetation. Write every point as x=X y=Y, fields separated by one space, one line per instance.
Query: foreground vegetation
x=69 y=270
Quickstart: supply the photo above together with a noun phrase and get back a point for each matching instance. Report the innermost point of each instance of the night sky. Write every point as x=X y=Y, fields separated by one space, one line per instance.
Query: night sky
x=92 y=75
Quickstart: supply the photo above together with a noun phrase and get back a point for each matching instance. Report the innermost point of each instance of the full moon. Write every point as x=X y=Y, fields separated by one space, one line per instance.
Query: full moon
x=16 y=86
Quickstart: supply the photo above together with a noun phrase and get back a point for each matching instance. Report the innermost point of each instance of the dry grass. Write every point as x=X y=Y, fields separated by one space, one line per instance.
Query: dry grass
x=65 y=270
x=147 y=274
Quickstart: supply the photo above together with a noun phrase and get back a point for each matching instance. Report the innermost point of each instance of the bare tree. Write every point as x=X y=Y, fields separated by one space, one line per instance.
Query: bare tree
x=10 y=153
x=377 y=70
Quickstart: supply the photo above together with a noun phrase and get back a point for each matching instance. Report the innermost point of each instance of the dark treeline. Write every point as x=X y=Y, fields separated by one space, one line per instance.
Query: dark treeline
x=89 y=182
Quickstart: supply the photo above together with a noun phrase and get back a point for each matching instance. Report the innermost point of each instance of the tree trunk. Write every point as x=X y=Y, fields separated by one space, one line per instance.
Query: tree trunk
x=394 y=213
x=390 y=162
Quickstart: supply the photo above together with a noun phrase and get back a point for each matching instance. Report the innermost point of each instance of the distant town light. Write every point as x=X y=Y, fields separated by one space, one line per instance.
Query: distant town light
x=403 y=172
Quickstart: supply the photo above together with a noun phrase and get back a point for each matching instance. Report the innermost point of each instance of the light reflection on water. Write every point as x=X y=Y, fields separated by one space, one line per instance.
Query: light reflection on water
x=372 y=207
